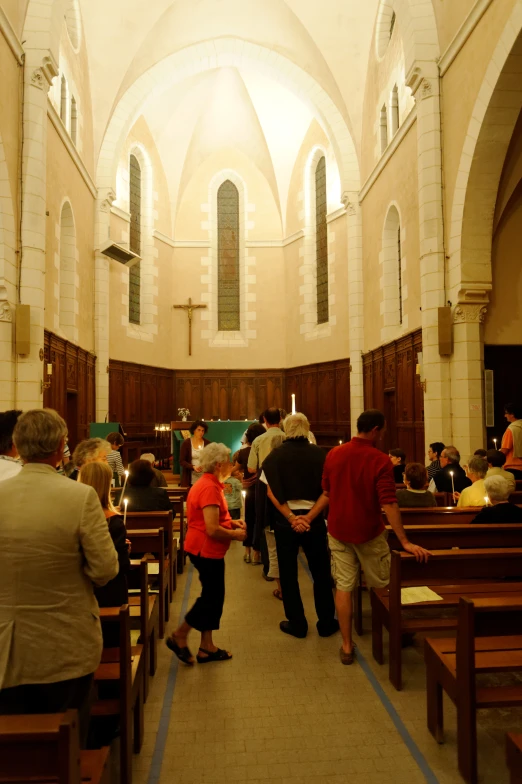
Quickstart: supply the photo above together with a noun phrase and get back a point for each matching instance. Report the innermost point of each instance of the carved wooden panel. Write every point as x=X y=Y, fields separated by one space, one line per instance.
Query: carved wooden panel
x=391 y=386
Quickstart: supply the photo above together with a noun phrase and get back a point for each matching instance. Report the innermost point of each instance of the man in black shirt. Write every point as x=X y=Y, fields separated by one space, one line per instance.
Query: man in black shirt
x=450 y=462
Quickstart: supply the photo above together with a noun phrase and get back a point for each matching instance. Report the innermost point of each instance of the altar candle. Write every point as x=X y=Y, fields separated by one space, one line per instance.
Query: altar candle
x=125 y=483
x=293 y=404
x=452 y=486
x=125 y=501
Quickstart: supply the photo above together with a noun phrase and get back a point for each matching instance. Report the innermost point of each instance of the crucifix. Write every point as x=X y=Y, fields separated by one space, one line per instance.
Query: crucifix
x=190 y=308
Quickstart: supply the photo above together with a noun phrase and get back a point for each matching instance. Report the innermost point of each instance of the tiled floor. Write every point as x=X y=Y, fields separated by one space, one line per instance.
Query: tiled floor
x=286 y=710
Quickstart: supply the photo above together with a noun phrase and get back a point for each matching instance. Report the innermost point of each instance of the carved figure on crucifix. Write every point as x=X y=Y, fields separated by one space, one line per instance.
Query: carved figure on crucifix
x=190 y=308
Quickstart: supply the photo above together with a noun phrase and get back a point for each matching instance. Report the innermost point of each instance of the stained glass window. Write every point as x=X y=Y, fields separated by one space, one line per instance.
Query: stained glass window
x=321 y=239
x=135 y=239
x=228 y=257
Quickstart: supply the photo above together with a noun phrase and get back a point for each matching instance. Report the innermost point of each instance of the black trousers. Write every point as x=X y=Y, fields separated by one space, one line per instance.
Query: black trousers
x=259 y=542
x=315 y=547
x=205 y=614
x=250 y=515
x=51 y=698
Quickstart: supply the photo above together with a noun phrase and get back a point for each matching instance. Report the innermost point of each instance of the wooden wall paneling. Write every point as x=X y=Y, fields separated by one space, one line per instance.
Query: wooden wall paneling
x=223 y=398
x=404 y=392
x=326 y=395
x=116 y=392
x=165 y=404
x=82 y=430
x=132 y=398
x=189 y=394
x=342 y=393
x=418 y=403
x=148 y=385
x=91 y=388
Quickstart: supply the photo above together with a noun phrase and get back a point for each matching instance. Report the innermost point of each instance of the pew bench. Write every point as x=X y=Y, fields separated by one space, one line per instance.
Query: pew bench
x=489 y=640
x=514 y=756
x=153 y=541
x=122 y=669
x=479 y=573
x=144 y=615
x=46 y=748
x=154 y=520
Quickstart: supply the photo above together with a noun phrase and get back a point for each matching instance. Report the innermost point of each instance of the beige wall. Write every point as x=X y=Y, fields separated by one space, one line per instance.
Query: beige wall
x=64 y=183
x=504 y=317
x=15 y=11
x=397 y=184
x=10 y=74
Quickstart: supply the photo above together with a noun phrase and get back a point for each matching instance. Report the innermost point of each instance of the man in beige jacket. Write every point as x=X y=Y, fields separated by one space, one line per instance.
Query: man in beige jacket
x=54 y=544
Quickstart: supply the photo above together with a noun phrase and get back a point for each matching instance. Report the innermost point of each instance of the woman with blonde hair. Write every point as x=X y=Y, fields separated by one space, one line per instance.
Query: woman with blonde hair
x=99 y=476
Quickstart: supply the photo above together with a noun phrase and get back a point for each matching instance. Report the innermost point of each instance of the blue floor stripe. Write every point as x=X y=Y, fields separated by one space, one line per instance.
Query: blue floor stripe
x=414 y=750
x=163 y=729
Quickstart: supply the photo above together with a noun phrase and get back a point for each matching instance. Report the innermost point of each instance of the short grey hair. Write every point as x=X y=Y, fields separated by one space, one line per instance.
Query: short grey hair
x=148 y=456
x=478 y=466
x=451 y=454
x=88 y=450
x=211 y=455
x=497 y=488
x=296 y=426
x=38 y=433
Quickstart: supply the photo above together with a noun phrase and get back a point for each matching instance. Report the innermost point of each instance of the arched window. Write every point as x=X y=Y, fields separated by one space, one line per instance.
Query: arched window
x=384 y=128
x=394 y=106
x=63 y=100
x=228 y=257
x=74 y=120
x=135 y=238
x=392 y=262
x=68 y=274
x=321 y=242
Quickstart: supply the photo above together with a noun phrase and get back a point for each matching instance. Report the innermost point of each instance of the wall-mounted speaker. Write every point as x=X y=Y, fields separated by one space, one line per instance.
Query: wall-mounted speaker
x=445 y=332
x=23 y=329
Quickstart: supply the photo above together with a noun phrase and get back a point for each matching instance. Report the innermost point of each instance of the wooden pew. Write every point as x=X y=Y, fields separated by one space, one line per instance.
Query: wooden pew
x=514 y=756
x=178 y=505
x=153 y=541
x=153 y=521
x=446 y=515
x=46 y=748
x=463 y=536
x=122 y=668
x=516 y=497
x=451 y=574
x=489 y=640
x=144 y=614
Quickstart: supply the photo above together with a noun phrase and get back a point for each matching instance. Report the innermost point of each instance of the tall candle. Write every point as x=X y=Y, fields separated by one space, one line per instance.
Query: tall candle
x=486 y=499
x=125 y=501
x=124 y=484
x=243 y=493
x=293 y=404
x=495 y=442
x=452 y=486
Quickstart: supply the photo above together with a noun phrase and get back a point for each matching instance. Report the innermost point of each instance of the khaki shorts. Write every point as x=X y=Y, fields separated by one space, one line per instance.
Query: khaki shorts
x=374 y=557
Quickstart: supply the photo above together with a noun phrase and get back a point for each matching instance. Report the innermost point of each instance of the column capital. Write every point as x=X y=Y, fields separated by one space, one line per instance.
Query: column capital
x=423 y=80
x=106 y=197
x=470 y=313
x=42 y=76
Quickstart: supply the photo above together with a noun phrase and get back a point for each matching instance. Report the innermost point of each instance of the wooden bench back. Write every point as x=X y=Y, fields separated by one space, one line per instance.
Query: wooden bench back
x=437 y=515
x=516 y=497
x=149 y=541
x=451 y=567
x=120 y=616
x=40 y=748
x=462 y=535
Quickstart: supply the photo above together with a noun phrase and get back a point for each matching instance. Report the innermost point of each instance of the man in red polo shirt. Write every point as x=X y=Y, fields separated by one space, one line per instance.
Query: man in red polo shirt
x=358 y=483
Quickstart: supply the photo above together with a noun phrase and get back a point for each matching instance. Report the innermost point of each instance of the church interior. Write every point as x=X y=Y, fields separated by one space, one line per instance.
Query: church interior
x=222 y=207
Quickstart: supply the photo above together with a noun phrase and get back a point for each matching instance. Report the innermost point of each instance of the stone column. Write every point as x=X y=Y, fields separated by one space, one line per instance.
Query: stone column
x=106 y=196
x=424 y=82
x=355 y=305
x=40 y=69
x=467 y=364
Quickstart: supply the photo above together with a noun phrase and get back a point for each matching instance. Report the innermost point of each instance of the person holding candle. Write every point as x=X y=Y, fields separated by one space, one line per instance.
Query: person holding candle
x=190 y=451
x=54 y=546
x=210 y=533
x=451 y=478
x=496 y=459
x=512 y=439
x=498 y=509
x=92 y=450
x=249 y=488
x=140 y=492
x=115 y=592
x=434 y=453
x=475 y=495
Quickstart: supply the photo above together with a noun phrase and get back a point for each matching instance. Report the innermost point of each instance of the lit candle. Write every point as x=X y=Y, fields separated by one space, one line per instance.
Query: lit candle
x=293 y=404
x=340 y=442
x=243 y=493
x=125 y=483
x=125 y=501
x=495 y=442
x=486 y=499
x=452 y=486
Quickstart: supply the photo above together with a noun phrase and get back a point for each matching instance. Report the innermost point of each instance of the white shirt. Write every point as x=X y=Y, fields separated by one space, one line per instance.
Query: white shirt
x=9 y=466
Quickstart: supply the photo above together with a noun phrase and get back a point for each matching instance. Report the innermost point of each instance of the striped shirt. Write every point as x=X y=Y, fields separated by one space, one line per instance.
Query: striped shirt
x=115 y=462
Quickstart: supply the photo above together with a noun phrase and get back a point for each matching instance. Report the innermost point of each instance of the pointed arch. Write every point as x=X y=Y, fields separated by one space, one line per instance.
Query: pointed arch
x=392 y=261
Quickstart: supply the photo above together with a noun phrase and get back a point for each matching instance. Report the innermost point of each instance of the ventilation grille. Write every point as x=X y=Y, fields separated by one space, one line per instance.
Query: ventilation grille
x=489 y=397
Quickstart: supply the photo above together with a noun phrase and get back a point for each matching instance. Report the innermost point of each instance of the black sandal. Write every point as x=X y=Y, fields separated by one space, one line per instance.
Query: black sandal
x=183 y=654
x=219 y=655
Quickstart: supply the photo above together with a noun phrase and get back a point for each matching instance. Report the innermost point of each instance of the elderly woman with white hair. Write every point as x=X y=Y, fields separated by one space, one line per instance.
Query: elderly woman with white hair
x=210 y=533
x=294 y=474
x=498 y=490
x=91 y=450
